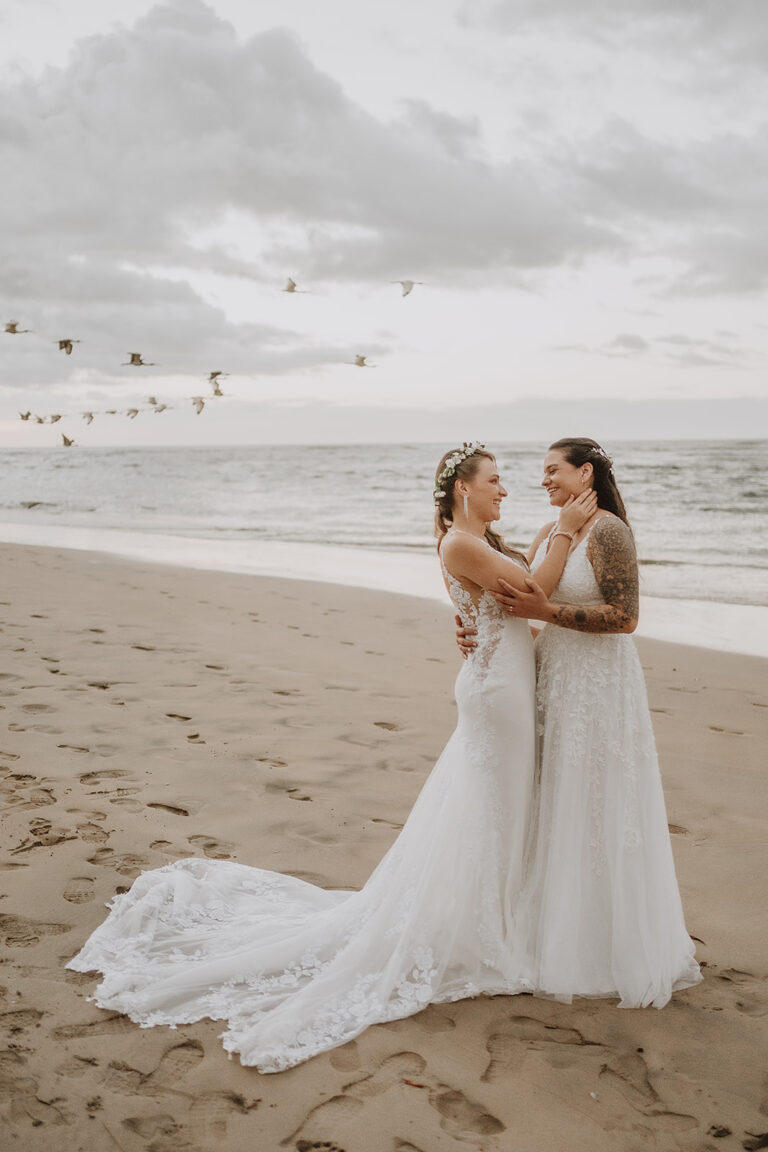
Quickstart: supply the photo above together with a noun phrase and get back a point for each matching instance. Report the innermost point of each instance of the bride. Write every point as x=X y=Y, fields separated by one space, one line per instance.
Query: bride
x=604 y=907
x=295 y=969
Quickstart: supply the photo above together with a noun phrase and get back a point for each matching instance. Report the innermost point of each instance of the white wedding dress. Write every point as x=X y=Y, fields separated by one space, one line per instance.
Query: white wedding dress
x=603 y=902
x=296 y=970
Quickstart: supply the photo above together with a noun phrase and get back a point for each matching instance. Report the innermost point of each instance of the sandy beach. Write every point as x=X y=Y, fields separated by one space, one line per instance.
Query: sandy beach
x=151 y=713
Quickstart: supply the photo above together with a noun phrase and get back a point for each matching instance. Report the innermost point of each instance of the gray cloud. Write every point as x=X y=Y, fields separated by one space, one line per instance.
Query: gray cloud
x=116 y=164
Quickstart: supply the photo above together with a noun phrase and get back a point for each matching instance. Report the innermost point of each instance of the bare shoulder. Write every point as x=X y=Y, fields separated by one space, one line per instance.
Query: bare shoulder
x=461 y=544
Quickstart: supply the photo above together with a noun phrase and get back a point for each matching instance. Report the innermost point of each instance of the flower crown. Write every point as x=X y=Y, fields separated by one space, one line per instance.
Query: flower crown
x=452 y=464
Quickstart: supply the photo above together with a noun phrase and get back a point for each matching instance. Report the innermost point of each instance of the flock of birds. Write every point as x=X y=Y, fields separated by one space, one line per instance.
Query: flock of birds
x=136 y=360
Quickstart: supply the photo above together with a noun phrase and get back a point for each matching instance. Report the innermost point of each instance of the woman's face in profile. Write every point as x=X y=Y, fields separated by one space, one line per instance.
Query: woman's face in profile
x=561 y=479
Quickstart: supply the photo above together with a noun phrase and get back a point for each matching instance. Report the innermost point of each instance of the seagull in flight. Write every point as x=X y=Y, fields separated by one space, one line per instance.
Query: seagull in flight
x=66 y=345
x=160 y=407
x=67 y=442
x=25 y=415
x=12 y=328
x=132 y=412
x=290 y=286
x=199 y=404
x=137 y=362
x=152 y=400
x=88 y=417
x=359 y=362
x=54 y=419
x=407 y=285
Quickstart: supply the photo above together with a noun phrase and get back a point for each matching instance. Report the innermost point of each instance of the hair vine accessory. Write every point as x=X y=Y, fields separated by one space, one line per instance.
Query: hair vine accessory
x=598 y=451
x=452 y=463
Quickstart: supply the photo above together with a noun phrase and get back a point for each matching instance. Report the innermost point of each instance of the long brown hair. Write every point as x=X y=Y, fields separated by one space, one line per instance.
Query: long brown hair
x=579 y=450
x=465 y=470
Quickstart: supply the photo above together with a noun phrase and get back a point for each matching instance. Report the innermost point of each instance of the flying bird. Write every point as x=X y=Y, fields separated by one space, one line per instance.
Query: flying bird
x=137 y=362
x=67 y=442
x=213 y=376
x=12 y=328
x=54 y=419
x=88 y=417
x=407 y=285
x=66 y=345
x=25 y=415
x=199 y=404
x=216 y=389
x=110 y=411
x=290 y=286
x=39 y=419
x=152 y=400
x=132 y=412
x=160 y=407
x=359 y=362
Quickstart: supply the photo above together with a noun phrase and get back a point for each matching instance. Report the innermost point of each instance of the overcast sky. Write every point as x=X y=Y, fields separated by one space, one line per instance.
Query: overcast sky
x=580 y=186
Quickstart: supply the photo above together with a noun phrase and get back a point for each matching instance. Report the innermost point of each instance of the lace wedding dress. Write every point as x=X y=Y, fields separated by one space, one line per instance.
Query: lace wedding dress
x=295 y=969
x=604 y=900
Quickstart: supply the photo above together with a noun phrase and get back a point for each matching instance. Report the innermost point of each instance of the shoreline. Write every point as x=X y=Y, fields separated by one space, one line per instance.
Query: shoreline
x=152 y=712
x=709 y=624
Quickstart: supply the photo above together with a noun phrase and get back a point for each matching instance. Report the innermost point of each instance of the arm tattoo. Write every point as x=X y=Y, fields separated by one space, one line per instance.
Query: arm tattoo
x=615 y=566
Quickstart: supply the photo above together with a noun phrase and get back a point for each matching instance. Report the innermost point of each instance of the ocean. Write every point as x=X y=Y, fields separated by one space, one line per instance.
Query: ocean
x=363 y=514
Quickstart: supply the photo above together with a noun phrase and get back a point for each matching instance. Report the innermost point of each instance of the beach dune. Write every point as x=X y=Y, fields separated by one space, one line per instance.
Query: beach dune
x=149 y=713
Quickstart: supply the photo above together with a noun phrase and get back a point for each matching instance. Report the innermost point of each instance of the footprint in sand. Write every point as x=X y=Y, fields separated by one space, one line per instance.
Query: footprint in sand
x=126 y=863
x=212 y=848
x=79 y=890
x=113 y=1025
x=387 y=725
x=18 y=932
x=195 y=738
x=346 y=1058
x=92 y=834
x=35 y=709
x=175 y=1063
x=100 y=775
x=463 y=1118
x=74 y=747
x=211 y=1111
x=127 y=803
x=512 y=1037
x=394 y=1070
x=169 y=849
x=177 y=716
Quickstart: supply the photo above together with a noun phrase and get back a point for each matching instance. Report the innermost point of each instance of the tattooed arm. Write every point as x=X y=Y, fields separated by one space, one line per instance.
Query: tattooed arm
x=611 y=550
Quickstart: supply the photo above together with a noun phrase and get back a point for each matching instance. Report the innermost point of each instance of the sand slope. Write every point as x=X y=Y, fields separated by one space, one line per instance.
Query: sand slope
x=150 y=713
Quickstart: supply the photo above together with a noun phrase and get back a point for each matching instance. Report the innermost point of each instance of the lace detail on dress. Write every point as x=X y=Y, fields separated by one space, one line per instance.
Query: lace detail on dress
x=482 y=613
x=296 y=970
x=610 y=920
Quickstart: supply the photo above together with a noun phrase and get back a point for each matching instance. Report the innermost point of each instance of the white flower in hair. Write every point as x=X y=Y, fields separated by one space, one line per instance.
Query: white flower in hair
x=452 y=464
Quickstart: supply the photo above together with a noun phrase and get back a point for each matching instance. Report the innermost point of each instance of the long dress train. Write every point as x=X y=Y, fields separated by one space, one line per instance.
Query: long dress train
x=604 y=901
x=295 y=969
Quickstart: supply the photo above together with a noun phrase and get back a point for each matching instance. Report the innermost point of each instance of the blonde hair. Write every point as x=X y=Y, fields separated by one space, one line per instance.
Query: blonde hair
x=466 y=469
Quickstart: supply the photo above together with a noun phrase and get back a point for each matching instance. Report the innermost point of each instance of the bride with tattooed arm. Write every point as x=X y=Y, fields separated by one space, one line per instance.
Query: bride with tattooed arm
x=602 y=893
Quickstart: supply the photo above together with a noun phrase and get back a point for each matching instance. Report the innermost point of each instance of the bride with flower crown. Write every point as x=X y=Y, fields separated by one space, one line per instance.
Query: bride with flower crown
x=295 y=969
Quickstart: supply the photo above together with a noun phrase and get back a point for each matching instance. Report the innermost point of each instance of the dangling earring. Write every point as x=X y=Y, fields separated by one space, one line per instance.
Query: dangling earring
x=466 y=506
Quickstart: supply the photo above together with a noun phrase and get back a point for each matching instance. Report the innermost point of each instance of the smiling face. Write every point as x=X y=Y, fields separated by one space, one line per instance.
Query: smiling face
x=562 y=479
x=484 y=490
